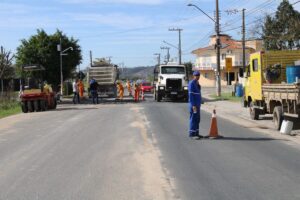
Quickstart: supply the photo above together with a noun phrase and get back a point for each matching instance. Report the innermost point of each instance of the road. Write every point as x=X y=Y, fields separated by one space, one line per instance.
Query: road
x=139 y=151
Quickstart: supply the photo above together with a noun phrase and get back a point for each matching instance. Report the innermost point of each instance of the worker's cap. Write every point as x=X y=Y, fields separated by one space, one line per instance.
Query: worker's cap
x=196 y=73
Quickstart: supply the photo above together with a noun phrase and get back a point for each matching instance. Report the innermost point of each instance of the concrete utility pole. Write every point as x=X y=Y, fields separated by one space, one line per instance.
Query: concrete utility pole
x=61 y=54
x=218 y=46
x=235 y=11
x=244 y=41
x=61 y=72
x=179 y=43
x=158 y=58
x=168 y=52
x=91 y=59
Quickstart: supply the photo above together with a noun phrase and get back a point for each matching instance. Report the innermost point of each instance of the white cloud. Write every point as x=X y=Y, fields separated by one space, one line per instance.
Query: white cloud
x=143 y=2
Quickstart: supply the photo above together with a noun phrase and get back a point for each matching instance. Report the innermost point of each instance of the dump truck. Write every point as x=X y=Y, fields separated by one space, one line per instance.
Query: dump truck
x=266 y=90
x=35 y=94
x=106 y=75
x=171 y=81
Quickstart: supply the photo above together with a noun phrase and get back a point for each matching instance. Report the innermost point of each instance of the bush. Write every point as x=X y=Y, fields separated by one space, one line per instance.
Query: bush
x=8 y=104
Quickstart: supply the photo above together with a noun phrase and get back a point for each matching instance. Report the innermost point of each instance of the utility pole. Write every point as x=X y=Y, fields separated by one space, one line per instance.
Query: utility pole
x=218 y=46
x=244 y=41
x=179 y=42
x=91 y=59
x=61 y=72
x=168 y=52
x=158 y=58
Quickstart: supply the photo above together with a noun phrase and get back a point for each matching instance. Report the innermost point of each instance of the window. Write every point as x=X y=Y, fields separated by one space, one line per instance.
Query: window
x=206 y=75
x=255 y=65
x=223 y=56
x=172 y=70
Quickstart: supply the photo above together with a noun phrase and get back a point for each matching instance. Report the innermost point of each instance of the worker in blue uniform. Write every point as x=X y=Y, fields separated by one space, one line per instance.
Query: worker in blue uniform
x=195 y=100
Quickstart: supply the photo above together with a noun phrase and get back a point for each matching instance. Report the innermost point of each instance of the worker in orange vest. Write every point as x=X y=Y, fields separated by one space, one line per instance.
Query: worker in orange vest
x=120 y=90
x=129 y=87
x=136 y=92
x=80 y=88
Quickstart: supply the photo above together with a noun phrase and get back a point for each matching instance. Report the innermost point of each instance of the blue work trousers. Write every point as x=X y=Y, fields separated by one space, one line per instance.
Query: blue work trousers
x=194 y=121
x=94 y=96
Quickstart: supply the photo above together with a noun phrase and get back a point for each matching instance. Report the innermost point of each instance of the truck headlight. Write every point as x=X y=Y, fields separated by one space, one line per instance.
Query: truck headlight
x=161 y=88
x=185 y=88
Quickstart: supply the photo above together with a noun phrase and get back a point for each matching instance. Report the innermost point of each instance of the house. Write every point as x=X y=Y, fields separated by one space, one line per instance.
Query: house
x=230 y=48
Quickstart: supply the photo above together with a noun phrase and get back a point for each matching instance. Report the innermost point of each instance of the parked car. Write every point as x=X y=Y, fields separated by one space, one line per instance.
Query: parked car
x=146 y=87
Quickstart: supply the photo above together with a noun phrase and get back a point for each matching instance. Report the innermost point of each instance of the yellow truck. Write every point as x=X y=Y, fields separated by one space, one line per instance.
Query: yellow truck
x=266 y=90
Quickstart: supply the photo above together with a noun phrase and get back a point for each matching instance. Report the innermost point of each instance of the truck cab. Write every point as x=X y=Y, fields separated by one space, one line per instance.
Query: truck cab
x=266 y=90
x=171 y=81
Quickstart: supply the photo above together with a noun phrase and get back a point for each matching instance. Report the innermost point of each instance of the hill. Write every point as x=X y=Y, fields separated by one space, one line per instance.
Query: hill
x=145 y=73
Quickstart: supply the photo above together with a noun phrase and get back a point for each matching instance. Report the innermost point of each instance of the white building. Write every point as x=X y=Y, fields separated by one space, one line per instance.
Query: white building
x=206 y=59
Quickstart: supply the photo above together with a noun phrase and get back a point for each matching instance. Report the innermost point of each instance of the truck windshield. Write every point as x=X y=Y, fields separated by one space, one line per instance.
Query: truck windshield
x=172 y=70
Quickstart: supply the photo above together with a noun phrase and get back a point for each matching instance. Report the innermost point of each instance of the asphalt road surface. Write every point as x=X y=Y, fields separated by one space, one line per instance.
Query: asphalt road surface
x=139 y=151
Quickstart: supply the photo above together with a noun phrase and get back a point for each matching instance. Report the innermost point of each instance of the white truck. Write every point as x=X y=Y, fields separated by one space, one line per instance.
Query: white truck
x=106 y=75
x=171 y=81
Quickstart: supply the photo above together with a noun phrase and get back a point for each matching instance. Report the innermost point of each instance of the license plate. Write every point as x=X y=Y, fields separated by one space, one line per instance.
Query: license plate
x=173 y=92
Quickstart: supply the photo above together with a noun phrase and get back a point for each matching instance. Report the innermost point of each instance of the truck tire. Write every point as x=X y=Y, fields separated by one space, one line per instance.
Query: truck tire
x=24 y=107
x=158 y=97
x=254 y=112
x=277 y=117
x=54 y=103
x=43 y=105
x=36 y=105
x=30 y=106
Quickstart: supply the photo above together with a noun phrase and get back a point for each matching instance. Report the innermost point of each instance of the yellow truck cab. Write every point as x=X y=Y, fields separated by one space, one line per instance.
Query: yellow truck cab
x=266 y=90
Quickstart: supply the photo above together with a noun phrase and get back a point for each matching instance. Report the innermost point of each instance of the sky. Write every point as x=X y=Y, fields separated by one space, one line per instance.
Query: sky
x=128 y=31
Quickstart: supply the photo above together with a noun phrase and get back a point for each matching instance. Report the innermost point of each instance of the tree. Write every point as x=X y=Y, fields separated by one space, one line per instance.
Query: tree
x=6 y=67
x=189 y=68
x=282 y=31
x=41 y=49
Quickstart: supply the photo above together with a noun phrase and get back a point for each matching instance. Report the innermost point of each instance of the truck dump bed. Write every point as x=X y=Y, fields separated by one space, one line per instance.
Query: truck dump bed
x=104 y=75
x=282 y=91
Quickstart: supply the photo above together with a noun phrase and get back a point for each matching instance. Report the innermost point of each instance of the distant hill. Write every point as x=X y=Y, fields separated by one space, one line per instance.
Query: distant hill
x=137 y=73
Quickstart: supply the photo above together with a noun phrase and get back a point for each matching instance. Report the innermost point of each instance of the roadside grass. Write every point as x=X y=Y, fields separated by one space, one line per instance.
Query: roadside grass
x=226 y=97
x=9 y=107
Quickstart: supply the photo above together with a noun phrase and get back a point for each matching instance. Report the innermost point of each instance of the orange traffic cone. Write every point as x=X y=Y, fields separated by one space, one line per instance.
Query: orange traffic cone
x=213 y=131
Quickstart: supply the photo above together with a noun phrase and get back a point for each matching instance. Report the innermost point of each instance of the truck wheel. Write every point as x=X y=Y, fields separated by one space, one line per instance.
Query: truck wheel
x=186 y=99
x=30 y=106
x=36 y=106
x=254 y=112
x=277 y=117
x=43 y=105
x=54 y=103
x=158 y=98
x=24 y=107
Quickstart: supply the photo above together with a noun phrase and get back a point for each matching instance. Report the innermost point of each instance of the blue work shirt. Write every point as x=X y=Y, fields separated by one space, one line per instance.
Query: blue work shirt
x=194 y=93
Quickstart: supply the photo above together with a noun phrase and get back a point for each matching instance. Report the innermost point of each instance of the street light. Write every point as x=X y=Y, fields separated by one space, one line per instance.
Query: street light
x=218 y=44
x=61 y=54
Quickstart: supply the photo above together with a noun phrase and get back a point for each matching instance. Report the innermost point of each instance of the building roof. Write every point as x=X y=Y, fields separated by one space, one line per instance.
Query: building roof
x=226 y=43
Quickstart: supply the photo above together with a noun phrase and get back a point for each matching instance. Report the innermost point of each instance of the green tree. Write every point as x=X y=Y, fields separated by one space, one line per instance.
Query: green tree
x=189 y=67
x=41 y=49
x=6 y=67
x=282 y=30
